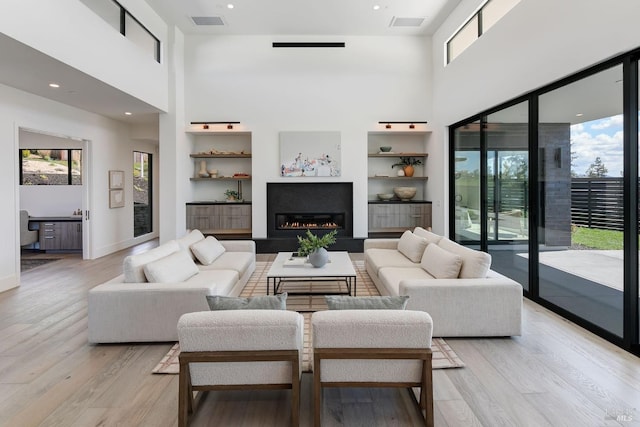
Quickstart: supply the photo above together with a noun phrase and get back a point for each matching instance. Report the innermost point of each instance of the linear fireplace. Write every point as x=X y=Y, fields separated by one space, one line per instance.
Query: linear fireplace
x=321 y=207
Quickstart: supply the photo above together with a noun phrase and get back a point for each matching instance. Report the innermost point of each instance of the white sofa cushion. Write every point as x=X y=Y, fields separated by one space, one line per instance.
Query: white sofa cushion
x=189 y=239
x=207 y=250
x=391 y=277
x=441 y=264
x=379 y=258
x=475 y=264
x=176 y=267
x=133 y=265
x=412 y=246
x=237 y=261
x=431 y=237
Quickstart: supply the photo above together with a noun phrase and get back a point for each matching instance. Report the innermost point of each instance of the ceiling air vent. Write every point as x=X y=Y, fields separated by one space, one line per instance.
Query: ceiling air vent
x=406 y=22
x=207 y=20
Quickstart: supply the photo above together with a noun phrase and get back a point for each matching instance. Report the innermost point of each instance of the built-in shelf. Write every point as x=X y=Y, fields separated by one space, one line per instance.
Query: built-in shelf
x=223 y=178
x=222 y=156
x=394 y=154
x=401 y=178
x=217 y=132
x=399 y=132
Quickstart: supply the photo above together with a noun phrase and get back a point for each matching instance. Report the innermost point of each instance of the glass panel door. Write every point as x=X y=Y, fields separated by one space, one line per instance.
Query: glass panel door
x=467 y=184
x=507 y=220
x=580 y=141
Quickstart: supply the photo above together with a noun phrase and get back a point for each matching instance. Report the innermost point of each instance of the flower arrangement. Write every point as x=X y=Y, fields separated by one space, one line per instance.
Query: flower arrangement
x=312 y=242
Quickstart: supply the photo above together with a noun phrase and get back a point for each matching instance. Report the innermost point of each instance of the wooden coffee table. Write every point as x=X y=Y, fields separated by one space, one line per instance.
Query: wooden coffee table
x=338 y=269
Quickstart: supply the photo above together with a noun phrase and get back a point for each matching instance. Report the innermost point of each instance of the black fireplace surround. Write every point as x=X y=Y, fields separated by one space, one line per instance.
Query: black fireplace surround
x=321 y=207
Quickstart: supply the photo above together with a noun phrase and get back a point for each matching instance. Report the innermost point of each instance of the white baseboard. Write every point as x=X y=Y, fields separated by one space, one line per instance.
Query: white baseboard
x=9 y=282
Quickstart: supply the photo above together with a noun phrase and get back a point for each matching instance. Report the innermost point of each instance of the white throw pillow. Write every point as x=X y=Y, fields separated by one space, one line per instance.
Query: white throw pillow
x=431 y=237
x=440 y=263
x=475 y=264
x=207 y=250
x=412 y=246
x=189 y=239
x=133 y=265
x=176 y=267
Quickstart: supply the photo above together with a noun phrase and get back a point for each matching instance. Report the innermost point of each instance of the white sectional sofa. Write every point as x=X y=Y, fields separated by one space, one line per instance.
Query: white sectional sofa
x=453 y=283
x=158 y=286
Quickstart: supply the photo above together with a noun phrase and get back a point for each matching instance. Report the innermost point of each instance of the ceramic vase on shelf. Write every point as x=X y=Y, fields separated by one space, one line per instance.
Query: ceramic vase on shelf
x=203 y=169
x=319 y=257
x=408 y=170
x=400 y=172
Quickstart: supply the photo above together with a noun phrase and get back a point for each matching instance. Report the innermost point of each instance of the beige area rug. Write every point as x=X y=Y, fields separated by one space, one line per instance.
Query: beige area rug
x=443 y=356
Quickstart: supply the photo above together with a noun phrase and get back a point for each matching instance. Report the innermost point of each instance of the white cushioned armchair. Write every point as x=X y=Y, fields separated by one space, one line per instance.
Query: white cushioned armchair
x=372 y=348
x=264 y=346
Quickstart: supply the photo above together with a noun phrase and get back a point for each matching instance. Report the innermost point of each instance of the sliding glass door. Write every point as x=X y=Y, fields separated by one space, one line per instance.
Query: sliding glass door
x=466 y=186
x=580 y=140
x=549 y=185
x=507 y=221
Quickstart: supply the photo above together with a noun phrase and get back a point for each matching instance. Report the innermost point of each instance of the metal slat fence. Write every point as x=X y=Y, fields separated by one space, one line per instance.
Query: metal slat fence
x=597 y=203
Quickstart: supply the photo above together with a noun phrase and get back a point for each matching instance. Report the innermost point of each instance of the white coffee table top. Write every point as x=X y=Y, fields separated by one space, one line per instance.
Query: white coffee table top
x=339 y=265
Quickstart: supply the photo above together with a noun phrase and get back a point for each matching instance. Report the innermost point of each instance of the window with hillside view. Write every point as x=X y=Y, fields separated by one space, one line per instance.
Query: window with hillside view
x=142 y=185
x=52 y=166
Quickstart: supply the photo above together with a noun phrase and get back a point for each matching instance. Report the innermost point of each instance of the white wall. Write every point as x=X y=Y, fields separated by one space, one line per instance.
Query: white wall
x=70 y=32
x=271 y=90
x=49 y=200
x=110 y=147
x=536 y=43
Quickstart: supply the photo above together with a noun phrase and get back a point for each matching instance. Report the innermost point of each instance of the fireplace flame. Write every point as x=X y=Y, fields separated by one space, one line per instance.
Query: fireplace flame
x=310 y=225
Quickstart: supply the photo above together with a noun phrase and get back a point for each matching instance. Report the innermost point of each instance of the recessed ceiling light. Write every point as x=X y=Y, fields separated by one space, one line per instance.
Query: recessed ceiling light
x=54 y=85
x=126 y=113
x=229 y=5
x=579 y=115
x=376 y=7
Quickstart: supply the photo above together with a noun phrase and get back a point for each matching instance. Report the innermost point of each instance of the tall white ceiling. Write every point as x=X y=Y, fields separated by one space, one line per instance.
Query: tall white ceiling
x=306 y=17
x=30 y=70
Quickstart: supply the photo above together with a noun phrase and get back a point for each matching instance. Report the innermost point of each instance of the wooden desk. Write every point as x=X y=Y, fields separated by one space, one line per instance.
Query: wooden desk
x=59 y=233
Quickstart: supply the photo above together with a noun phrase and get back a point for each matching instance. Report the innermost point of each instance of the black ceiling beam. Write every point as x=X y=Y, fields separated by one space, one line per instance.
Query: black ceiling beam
x=308 y=44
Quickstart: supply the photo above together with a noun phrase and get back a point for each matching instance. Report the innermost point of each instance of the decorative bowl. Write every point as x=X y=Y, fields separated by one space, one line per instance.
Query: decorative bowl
x=385 y=149
x=405 y=193
x=385 y=196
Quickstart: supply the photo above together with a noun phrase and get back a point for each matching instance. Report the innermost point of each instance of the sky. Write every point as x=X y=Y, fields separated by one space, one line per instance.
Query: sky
x=598 y=138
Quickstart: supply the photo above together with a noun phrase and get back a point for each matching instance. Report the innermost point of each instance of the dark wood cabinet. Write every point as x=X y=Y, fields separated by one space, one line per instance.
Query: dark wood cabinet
x=219 y=218
x=61 y=235
x=396 y=217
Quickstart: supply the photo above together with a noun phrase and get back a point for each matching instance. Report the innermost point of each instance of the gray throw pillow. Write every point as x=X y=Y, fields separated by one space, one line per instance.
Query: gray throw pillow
x=262 y=302
x=339 y=302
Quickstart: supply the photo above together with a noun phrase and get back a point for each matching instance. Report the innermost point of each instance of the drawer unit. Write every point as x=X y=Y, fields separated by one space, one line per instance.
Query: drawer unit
x=61 y=235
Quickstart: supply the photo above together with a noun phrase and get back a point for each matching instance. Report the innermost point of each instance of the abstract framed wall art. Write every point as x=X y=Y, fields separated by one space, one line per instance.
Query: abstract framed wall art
x=310 y=154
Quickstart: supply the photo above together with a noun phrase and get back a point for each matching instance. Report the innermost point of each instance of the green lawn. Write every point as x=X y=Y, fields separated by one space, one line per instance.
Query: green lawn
x=592 y=238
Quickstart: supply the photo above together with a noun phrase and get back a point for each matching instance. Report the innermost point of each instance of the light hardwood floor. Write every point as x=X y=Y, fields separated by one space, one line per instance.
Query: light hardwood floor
x=555 y=374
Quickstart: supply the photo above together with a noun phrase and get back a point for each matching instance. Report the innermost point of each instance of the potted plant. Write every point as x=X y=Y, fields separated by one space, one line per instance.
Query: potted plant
x=316 y=247
x=407 y=164
x=232 y=195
